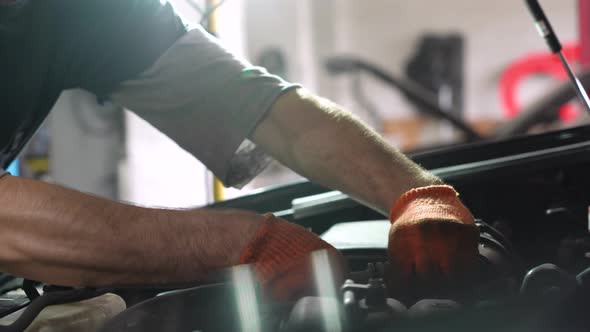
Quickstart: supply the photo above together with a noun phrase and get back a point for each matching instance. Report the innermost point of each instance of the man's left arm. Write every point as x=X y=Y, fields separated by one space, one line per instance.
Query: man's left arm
x=433 y=234
x=330 y=146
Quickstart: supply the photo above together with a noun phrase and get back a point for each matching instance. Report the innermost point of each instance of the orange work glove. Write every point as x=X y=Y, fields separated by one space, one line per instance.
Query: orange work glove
x=282 y=256
x=433 y=235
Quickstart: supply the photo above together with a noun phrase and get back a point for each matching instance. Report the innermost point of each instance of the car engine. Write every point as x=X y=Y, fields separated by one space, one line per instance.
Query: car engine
x=531 y=195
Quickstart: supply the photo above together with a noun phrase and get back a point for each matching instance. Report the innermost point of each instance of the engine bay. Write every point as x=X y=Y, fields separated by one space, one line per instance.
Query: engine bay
x=531 y=198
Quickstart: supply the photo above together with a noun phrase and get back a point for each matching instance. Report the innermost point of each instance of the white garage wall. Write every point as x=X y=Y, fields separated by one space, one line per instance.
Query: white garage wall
x=386 y=32
x=496 y=32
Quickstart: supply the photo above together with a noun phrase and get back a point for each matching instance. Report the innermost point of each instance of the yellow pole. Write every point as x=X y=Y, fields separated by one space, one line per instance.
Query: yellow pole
x=212 y=19
x=218 y=188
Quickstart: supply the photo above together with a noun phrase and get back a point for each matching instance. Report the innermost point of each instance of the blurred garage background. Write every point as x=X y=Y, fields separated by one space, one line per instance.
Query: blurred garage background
x=483 y=60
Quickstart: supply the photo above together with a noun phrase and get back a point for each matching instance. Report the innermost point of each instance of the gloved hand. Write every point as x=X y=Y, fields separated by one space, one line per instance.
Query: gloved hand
x=433 y=235
x=281 y=254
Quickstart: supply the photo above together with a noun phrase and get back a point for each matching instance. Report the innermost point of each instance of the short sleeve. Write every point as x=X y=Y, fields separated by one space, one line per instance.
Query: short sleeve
x=209 y=102
x=105 y=42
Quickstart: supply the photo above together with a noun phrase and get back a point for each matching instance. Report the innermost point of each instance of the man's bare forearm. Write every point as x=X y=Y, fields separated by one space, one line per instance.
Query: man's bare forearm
x=60 y=236
x=320 y=141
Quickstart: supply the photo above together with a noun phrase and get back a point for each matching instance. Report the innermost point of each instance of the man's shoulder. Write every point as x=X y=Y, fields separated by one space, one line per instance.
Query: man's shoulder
x=58 y=9
x=104 y=10
x=101 y=4
x=57 y=13
x=114 y=40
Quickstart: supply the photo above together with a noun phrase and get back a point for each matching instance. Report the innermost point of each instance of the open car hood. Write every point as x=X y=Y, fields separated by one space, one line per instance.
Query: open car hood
x=452 y=164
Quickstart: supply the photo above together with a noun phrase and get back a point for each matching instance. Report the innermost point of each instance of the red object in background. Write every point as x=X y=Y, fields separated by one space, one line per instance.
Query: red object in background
x=584 y=21
x=547 y=64
x=541 y=63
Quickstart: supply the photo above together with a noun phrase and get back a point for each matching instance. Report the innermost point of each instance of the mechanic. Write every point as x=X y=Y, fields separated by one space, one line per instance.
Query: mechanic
x=228 y=114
